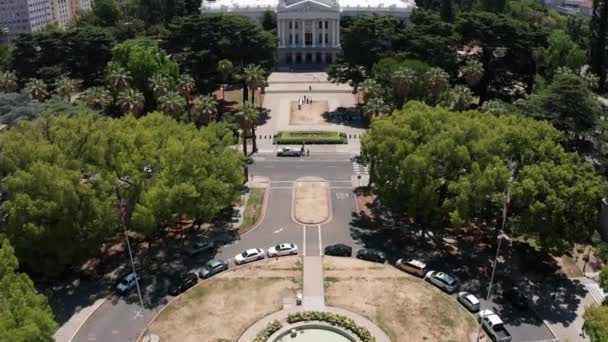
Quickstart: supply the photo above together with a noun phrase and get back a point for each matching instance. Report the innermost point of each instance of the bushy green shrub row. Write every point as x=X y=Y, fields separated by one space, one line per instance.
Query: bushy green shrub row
x=298 y=138
x=332 y=318
x=270 y=329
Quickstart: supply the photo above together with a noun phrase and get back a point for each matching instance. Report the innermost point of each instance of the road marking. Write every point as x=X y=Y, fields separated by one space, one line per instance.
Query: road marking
x=341 y=195
x=269 y=167
x=278 y=231
x=137 y=315
x=281 y=188
x=320 y=243
x=332 y=166
x=304 y=239
x=596 y=292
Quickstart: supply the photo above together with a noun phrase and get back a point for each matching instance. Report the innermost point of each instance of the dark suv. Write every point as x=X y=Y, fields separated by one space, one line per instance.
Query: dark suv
x=371 y=255
x=339 y=250
x=184 y=282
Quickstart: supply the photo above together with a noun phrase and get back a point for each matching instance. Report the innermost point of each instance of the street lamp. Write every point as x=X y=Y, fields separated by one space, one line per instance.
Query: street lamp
x=6 y=32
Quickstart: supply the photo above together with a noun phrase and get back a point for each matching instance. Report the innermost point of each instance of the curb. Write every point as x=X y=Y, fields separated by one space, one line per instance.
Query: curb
x=101 y=302
x=263 y=213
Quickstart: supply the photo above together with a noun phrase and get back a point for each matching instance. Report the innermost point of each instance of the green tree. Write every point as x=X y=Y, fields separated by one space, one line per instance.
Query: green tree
x=375 y=106
x=342 y=72
x=159 y=85
x=367 y=39
x=37 y=89
x=438 y=82
x=269 y=21
x=65 y=87
x=460 y=98
x=207 y=107
x=107 y=11
x=118 y=78
x=472 y=72
x=371 y=89
x=404 y=80
x=131 y=101
x=25 y=315
x=599 y=42
x=172 y=104
x=248 y=116
x=254 y=77
x=8 y=81
x=596 y=323
x=97 y=98
x=447 y=11
x=226 y=70
x=185 y=86
x=562 y=51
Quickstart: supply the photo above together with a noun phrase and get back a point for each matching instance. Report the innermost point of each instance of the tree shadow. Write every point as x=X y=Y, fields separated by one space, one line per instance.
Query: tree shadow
x=346 y=116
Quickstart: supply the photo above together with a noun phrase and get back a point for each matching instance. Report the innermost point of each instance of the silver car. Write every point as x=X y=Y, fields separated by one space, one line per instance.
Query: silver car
x=289 y=152
x=469 y=301
x=442 y=280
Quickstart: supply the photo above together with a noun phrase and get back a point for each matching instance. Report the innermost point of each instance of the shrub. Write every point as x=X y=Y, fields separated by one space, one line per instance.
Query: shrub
x=270 y=329
x=335 y=319
x=310 y=137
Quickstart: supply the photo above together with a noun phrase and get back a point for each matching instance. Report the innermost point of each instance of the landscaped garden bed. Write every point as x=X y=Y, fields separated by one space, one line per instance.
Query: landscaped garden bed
x=309 y=137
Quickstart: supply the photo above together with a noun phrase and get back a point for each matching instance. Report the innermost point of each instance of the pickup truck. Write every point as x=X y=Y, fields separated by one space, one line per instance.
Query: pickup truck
x=494 y=326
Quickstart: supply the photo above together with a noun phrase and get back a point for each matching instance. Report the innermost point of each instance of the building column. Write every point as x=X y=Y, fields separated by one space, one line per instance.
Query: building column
x=280 y=31
x=338 y=31
x=314 y=33
x=332 y=28
x=323 y=33
x=292 y=32
x=302 y=37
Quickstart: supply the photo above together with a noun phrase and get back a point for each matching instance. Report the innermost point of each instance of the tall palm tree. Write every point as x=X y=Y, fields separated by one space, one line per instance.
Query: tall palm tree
x=65 y=87
x=249 y=116
x=185 y=86
x=375 y=106
x=437 y=81
x=207 y=106
x=131 y=101
x=472 y=72
x=226 y=69
x=159 y=84
x=371 y=89
x=460 y=98
x=38 y=89
x=254 y=77
x=8 y=81
x=172 y=104
x=117 y=78
x=97 y=98
x=404 y=80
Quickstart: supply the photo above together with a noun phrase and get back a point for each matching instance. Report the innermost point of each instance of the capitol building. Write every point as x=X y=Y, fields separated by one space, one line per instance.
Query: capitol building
x=309 y=30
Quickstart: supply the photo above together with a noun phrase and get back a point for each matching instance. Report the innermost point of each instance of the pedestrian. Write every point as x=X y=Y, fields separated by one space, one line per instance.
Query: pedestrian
x=309 y=88
x=307 y=152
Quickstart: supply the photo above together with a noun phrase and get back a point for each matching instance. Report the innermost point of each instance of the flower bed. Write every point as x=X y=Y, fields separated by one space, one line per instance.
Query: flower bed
x=332 y=318
x=270 y=329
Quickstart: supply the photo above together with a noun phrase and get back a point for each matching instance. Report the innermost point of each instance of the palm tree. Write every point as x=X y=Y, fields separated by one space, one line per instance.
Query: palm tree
x=207 y=106
x=249 y=116
x=437 y=81
x=185 y=86
x=159 y=85
x=375 y=106
x=37 y=89
x=65 y=87
x=460 y=98
x=131 y=101
x=172 y=104
x=226 y=69
x=254 y=77
x=8 y=81
x=371 y=89
x=118 y=78
x=404 y=80
x=97 y=98
x=472 y=72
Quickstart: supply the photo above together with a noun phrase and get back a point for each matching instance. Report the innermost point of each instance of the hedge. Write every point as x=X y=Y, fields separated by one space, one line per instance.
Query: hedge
x=309 y=137
x=270 y=329
x=335 y=319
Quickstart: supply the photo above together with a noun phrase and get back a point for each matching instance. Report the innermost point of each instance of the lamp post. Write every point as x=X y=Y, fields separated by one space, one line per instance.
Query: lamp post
x=6 y=32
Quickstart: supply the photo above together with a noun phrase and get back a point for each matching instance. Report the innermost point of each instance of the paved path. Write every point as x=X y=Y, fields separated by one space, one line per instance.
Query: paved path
x=314 y=292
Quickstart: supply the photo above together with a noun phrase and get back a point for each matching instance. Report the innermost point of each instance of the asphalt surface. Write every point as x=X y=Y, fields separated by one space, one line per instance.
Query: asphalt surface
x=122 y=319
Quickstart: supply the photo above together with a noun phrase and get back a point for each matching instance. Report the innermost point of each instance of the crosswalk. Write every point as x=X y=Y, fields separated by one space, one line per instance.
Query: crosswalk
x=360 y=169
x=596 y=292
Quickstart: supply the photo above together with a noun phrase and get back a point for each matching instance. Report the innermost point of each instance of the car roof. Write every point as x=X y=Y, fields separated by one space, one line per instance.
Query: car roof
x=252 y=250
x=494 y=319
x=445 y=276
x=471 y=298
x=286 y=245
x=214 y=262
x=416 y=263
x=129 y=276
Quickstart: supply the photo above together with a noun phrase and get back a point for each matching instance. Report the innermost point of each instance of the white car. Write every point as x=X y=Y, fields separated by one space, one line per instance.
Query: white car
x=442 y=280
x=249 y=256
x=289 y=152
x=127 y=283
x=282 y=249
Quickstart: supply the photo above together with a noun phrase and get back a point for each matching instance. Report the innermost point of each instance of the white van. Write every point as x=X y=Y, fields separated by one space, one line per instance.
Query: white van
x=412 y=266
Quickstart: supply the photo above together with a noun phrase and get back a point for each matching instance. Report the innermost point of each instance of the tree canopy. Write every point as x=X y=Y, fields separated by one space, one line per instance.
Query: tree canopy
x=440 y=167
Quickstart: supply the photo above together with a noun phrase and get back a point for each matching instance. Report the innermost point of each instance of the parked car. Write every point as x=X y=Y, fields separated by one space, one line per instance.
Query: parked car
x=371 y=255
x=412 y=266
x=289 y=152
x=200 y=247
x=282 y=249
x=469 y=301
x=127 y=283
x=442 y=280
x=249 y=256
x=494 y=326
x=183 y=283
x=515 y=296
x=213 y=267
x=339 y=250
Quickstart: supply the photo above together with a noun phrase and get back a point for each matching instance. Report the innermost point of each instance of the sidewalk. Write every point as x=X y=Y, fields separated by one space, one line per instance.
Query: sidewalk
x=314 y=291
x=68 y=330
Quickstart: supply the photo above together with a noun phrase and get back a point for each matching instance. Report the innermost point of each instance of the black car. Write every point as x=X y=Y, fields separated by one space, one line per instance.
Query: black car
x=515 y=296
x=339 y=250
x=214 y=266
x=184 y=282
x=371 y=255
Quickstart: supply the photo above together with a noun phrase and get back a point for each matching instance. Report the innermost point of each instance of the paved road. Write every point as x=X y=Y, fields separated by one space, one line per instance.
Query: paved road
x=121 y=320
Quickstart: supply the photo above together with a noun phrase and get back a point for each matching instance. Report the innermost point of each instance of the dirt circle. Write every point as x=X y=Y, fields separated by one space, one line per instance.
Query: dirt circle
x=308 y=113
x=311 y=203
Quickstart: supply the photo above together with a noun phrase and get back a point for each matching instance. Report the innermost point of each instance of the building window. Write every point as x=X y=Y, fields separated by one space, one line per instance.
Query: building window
x=297 y=38
x=290 y=23
x=296 y=25
x=290 y=38
x=320 y=40
x=326 y=24
x=327 y=38
x=320 y=24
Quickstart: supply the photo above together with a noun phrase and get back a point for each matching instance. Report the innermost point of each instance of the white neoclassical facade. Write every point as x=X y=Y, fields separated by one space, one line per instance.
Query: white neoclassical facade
x=309 y=30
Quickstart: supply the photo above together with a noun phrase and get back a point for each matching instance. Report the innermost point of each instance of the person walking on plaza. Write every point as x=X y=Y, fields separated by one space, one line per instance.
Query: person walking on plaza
x=307 y=152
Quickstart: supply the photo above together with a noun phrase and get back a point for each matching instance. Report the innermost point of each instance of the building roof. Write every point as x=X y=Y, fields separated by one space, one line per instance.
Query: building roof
x=252 y=5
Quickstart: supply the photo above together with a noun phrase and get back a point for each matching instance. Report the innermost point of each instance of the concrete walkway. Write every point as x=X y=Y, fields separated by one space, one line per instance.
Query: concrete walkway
x=314 y=291
x=68 y=330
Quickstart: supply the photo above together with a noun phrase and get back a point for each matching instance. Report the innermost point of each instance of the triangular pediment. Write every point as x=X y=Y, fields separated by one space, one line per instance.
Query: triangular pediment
x=308 y=5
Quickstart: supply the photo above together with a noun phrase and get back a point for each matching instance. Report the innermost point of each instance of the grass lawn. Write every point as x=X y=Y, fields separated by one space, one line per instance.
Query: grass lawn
x=221 y=308
x=309 y=137
x=235 y=97
x=253 y=209
x=405 y=307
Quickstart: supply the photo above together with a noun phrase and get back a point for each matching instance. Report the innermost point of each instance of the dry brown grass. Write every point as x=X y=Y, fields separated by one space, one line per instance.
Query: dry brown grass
x=405 y=307
x=310 y=114
x=311 y=202
x=223 y=307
